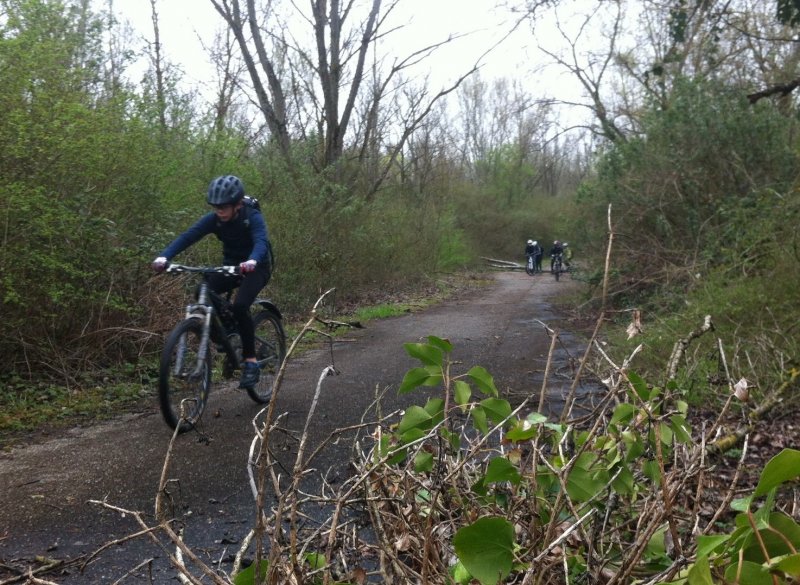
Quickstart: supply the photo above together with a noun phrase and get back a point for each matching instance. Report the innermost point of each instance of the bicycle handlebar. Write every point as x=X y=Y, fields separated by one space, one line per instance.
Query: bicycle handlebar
x=231 y=270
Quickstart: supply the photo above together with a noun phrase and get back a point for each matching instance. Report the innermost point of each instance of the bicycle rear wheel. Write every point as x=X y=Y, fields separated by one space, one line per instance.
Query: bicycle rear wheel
x=184 y=379
x=270 y=353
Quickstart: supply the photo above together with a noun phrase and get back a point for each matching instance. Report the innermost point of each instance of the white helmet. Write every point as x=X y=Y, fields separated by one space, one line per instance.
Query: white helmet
x=535 y=242
x=531 y=242
x=566 y=244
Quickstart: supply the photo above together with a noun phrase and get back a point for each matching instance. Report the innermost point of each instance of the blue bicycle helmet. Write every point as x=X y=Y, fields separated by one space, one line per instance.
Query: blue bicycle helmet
x=225 y=190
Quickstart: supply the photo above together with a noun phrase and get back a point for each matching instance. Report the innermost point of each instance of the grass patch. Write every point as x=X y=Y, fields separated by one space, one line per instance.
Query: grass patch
x=26 y=408
x=384 y=311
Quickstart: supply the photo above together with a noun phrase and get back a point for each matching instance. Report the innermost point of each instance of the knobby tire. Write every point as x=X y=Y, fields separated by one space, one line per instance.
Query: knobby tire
x=184 y=386
x=270 y=352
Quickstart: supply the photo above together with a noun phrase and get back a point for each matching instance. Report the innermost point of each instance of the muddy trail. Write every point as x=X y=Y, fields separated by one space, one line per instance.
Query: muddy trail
x=45 y=509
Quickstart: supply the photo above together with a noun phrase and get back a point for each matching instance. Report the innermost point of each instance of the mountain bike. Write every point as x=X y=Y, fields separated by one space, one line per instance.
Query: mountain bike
x=208 y=329
x=558 y=265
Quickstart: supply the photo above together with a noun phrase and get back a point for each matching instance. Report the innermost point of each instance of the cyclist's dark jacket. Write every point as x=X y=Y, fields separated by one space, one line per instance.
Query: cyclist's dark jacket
x=245 y=237
x=530 y=249
x=556 y=250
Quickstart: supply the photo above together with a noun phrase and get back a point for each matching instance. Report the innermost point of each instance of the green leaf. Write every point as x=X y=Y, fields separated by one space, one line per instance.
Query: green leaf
x=460 y=574
x=681 y=428
x=486 y=548
x=435 y=408
x=651 y=470
x=785 y=466
x=442 y=344
x=624 y=483
x=584 y=482
x=316 y=561
x=634 y=444
x=414 y=378
x=426 y=353
x=709 y=544
x=656 y=548
x=623 y=413
x=479 y=416
x=453 y=439
x=522 y=431
x=536 y=418
x=496 y=409
x=741 y=504
x=501 y=469
x=751 y=574
x=639 y=386
x=665 y=433
x=700 y=573
x=415 y=417
x=778 y=534
x=483 y=380
x=462 y=392
x=423 y=462
x=582 y=486
x=790 y=564
x=434 y=376
x=787 y=527
x=248 y=576
x=410 y=436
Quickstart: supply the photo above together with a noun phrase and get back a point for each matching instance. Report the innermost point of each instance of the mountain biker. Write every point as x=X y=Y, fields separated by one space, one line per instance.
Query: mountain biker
x=567 y=255
x=245 y=243
x=556 y=250
x=534 y=249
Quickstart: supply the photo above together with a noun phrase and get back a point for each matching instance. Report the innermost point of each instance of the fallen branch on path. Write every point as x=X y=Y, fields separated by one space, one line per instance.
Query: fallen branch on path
x=503 y=264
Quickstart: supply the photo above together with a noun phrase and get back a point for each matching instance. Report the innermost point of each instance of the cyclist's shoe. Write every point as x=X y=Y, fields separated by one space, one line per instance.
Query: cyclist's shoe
x=250 y=374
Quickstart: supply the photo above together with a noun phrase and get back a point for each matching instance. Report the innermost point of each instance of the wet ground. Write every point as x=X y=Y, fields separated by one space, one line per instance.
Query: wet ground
x=45 y=488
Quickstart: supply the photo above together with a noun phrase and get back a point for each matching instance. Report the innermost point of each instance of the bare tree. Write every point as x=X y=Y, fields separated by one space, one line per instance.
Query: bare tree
x=592 y=67
x=157 y=62
x=230 y=70
x=341 y=94
x=651 y=43
x=271 y=99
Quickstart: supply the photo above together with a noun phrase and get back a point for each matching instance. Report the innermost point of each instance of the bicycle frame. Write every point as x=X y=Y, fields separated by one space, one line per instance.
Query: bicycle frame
x=204 y=311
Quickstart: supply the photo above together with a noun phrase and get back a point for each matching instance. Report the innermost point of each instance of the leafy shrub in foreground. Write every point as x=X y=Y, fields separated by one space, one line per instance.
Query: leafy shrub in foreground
x=476 y=489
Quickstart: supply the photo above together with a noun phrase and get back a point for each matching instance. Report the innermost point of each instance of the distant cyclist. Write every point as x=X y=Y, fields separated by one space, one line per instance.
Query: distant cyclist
x=556 y=250
x=245 y=243
x=534 y=249
x=567 y=255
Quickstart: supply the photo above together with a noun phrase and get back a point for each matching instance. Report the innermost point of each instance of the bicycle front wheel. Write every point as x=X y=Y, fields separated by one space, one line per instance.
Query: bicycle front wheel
x=184 y=378
x=270 y=353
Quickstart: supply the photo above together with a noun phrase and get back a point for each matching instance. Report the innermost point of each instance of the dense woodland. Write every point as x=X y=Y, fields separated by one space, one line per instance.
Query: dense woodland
x=370 y=178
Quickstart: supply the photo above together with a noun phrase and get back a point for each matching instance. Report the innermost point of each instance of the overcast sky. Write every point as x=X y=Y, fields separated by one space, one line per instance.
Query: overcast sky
x=429 y=21
x=183 y=24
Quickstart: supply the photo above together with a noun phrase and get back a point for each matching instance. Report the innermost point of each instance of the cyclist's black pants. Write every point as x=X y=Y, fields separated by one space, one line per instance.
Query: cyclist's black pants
x=249 y=286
